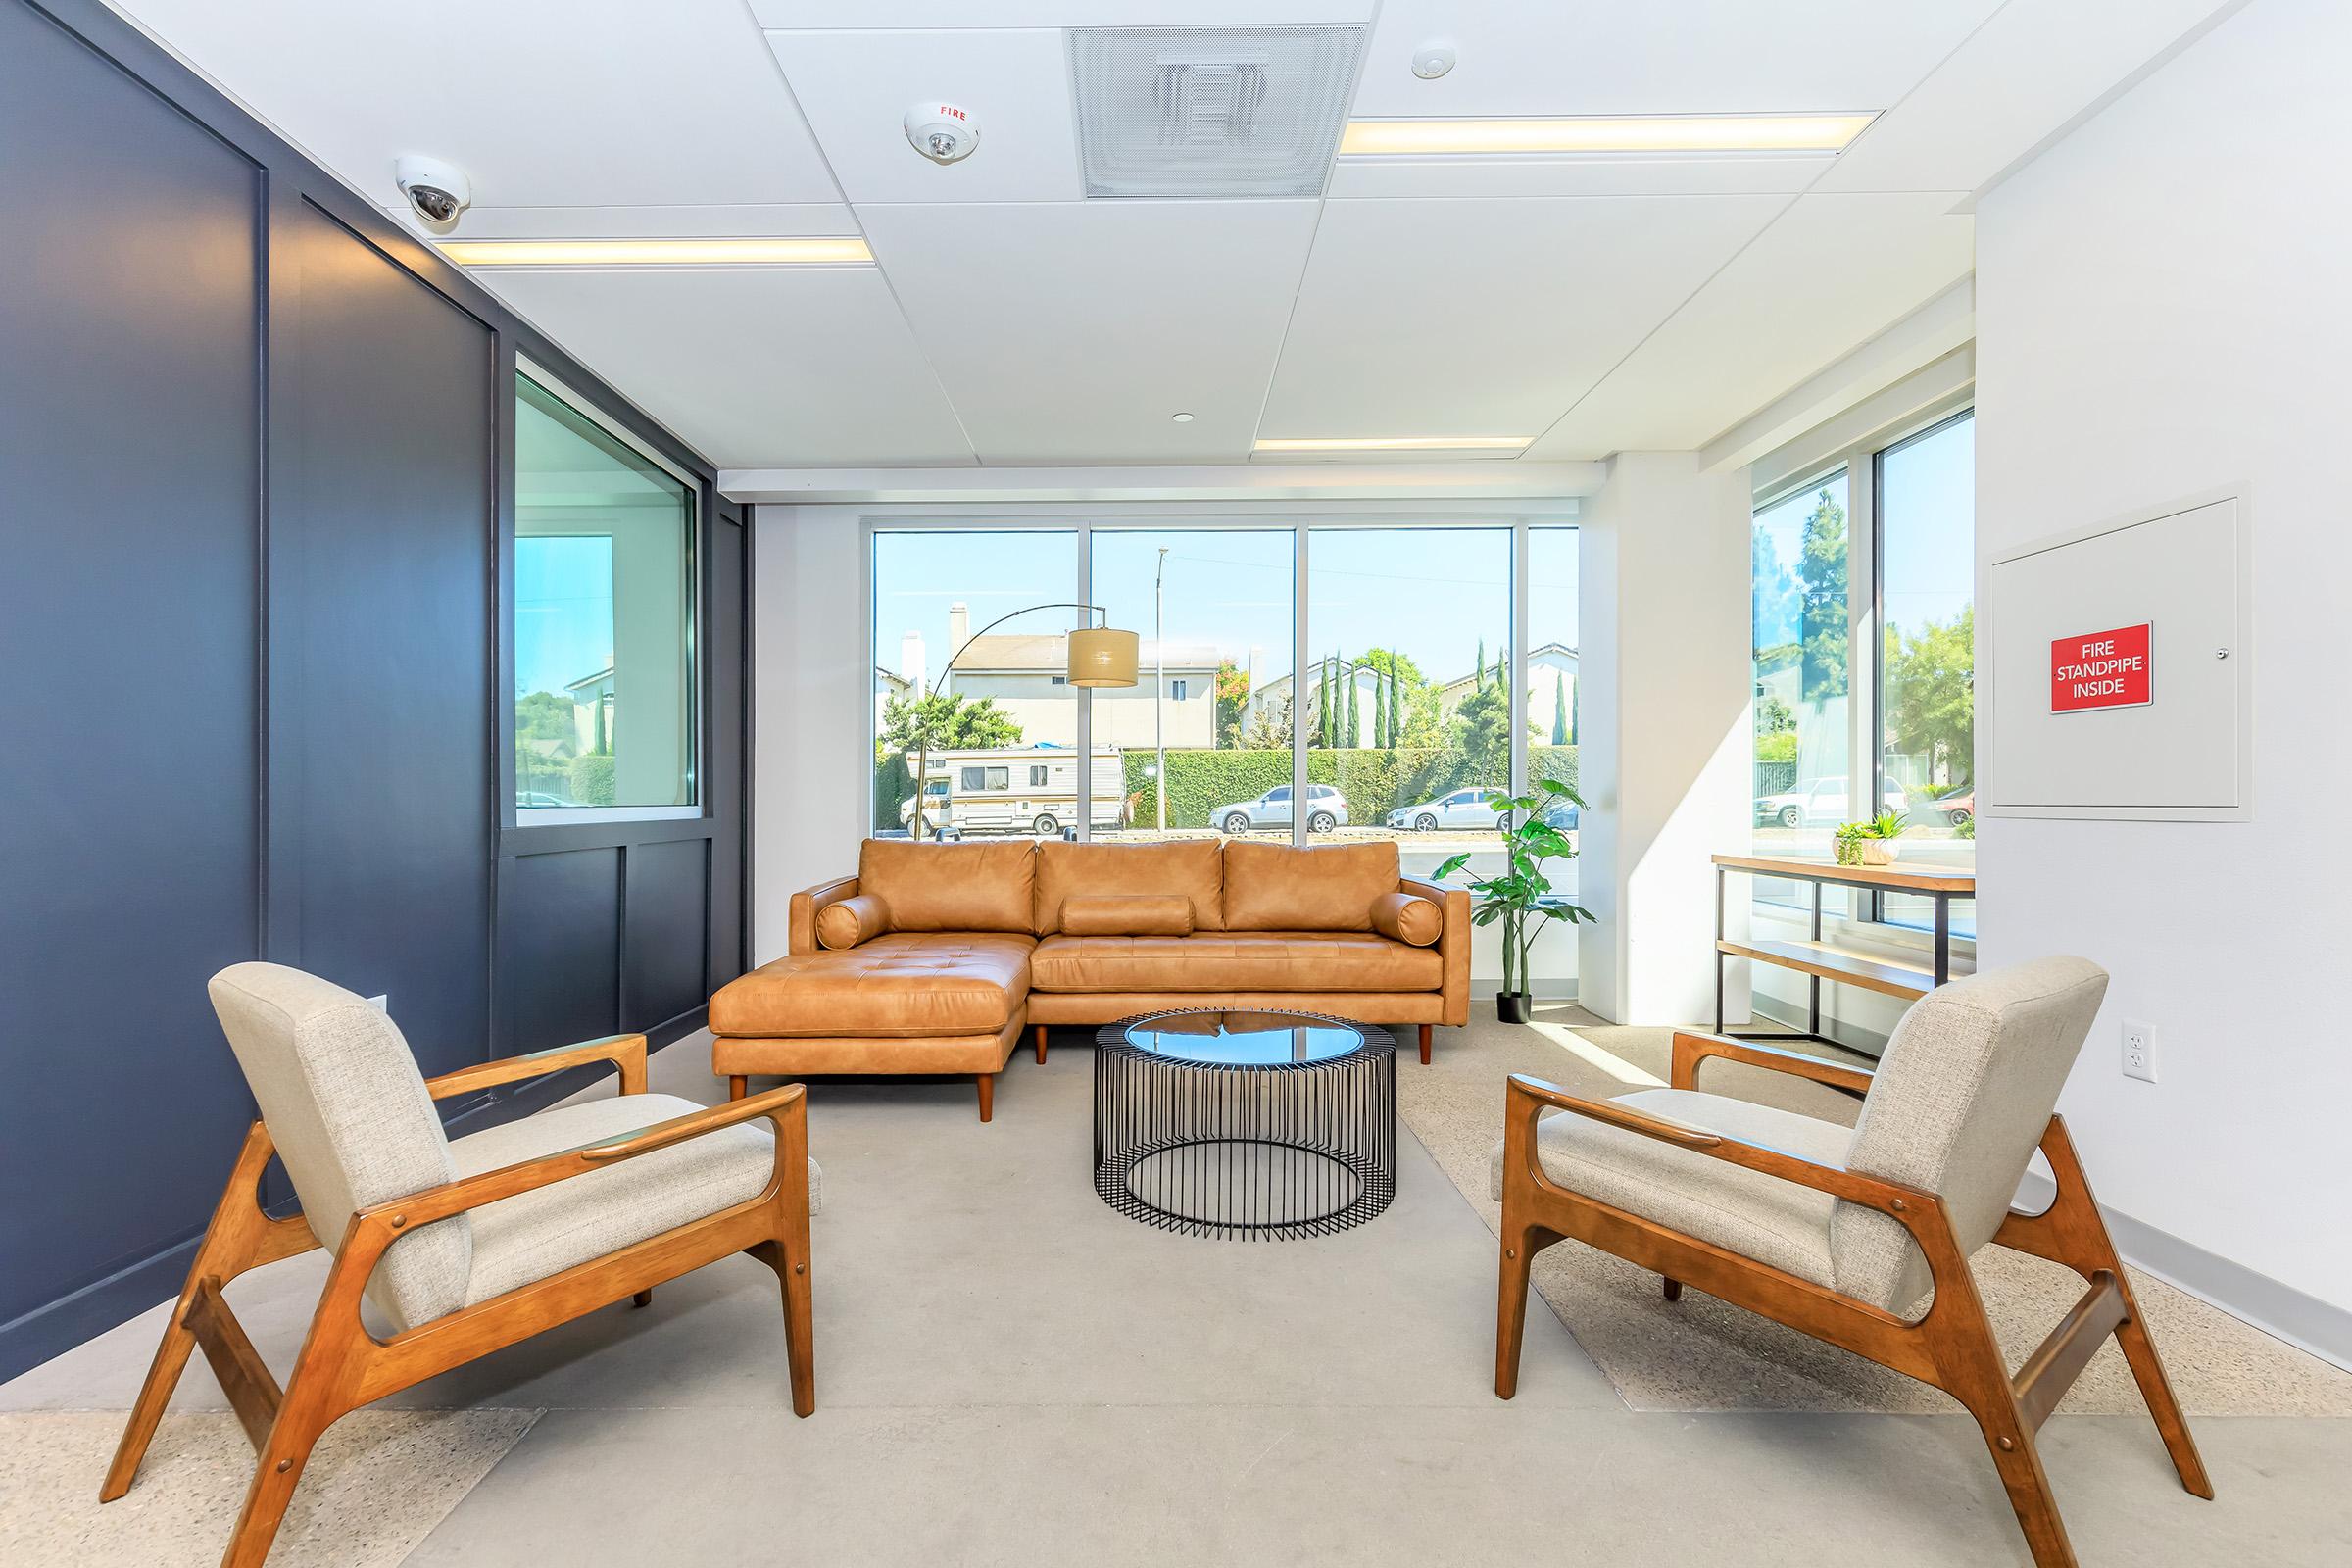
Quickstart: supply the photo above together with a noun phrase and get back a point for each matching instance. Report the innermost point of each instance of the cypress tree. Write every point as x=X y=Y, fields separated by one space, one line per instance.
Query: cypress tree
x=1395 y=702
x=1382 y=735
x=1559 y=713
x=1314 y=735
x=1355 y=735
x=1481 y=665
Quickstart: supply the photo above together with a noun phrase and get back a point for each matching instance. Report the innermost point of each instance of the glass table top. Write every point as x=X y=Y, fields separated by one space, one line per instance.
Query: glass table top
x=1244 y=1039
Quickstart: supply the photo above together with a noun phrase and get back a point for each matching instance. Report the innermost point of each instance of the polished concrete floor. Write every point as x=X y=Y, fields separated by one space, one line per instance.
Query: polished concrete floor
x=1010 y=1372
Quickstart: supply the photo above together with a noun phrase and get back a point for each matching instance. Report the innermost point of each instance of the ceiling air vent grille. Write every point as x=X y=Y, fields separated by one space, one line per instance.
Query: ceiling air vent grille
x=1216 y=112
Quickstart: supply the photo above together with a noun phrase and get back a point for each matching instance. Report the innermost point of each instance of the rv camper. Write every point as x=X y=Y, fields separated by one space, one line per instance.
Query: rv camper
x=1014 y=789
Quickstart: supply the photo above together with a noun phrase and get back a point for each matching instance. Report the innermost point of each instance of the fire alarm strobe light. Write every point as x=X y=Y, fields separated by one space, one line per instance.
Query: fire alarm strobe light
x=942 y=133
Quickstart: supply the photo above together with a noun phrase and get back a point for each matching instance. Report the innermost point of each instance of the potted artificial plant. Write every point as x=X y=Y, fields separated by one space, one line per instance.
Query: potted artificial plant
x=1871 y=843
x=1521 y=899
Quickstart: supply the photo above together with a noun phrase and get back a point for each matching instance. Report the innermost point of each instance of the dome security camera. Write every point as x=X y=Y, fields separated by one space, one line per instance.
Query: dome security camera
x=942 y=133
x=437 y=191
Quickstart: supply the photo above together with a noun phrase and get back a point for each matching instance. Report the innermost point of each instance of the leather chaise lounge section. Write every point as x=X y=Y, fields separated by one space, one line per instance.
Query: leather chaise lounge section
x=934 y=957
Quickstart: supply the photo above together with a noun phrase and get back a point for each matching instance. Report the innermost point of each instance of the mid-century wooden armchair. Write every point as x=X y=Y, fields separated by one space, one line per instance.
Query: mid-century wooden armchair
x=1838 y=1232
x=466 y=1246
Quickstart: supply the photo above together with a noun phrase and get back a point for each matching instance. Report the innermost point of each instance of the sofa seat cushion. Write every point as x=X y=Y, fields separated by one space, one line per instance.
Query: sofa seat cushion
x=908 y=983
x=524 y=1239
x=1778 y=1222
x=1234 y=960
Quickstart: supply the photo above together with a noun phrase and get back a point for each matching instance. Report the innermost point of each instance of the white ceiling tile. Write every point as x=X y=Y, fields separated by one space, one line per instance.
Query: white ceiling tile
x=755 y=366
x=856 y=88
x=1574 y=176
x=1070 y=331
x=1467 y=318
x=1661 y=55
x=1829 y=273
x=1053 y=13
x=540 y=102
x=2029 y=72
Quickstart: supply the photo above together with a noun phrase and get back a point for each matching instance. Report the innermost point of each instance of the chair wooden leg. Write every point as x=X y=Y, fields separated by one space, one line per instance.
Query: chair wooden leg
x=1041 y=1045
x=1519 y=1247
x=239 y=1238
x=988 y=1094
x=1982 y=1383
x=1425 y=1033
x=789 y=1256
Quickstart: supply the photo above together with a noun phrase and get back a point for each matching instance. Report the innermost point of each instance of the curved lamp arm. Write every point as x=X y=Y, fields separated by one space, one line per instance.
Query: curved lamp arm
x=923 y=767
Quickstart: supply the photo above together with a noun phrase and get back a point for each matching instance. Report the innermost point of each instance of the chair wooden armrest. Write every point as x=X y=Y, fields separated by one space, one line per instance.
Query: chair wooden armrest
x=391 y=1217
x=1527 y=1098
x=626 y=1051
x=1689 y=1050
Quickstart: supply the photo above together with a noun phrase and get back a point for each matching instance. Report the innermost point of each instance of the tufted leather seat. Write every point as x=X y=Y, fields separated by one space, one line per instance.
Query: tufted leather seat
x=1235 y=961
x=904 y=984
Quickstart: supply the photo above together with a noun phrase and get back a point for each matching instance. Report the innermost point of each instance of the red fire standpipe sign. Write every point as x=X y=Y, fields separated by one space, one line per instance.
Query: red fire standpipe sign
x=2102 y=670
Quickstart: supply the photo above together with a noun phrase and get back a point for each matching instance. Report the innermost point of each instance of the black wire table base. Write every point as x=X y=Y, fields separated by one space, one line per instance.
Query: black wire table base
x=1261 y=1151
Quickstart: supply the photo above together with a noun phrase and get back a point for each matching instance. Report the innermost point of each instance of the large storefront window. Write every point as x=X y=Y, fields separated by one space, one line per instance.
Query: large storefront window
x=995 y=736
x=604 y=616
x=1204 y=737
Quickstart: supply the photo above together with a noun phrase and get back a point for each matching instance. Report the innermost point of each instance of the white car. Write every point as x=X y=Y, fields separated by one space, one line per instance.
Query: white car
x=1820 y=804
x=1467 y=807
x=1326 y=809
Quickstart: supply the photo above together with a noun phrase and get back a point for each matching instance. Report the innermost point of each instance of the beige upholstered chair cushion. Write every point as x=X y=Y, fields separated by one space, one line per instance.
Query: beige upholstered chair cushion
x=528 y=1238
x=1748 y=1212
x=1961 y=1097
x=347 y=1111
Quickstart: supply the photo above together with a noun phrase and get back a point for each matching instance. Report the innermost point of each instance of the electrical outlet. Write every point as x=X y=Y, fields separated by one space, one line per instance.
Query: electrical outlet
x=382 y=1003
x=2139 y=1050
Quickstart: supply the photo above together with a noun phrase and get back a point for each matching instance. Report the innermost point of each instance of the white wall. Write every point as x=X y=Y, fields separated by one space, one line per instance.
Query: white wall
x=2161 y=309
x=811 y=707
x=1663 y=591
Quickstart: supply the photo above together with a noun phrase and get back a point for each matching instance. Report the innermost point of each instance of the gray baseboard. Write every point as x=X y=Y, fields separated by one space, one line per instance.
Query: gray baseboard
x=2277 y=1310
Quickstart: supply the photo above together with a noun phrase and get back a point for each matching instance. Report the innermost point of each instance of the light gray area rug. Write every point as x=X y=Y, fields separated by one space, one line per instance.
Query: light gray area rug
x=1701 y=1354
x=375 y=1487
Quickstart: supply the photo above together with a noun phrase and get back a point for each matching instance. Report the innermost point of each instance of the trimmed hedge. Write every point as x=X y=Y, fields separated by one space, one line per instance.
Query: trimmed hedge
x=592 y=780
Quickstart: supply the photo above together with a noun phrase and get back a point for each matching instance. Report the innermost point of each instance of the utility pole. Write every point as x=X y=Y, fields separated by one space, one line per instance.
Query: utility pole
x=1160 y=687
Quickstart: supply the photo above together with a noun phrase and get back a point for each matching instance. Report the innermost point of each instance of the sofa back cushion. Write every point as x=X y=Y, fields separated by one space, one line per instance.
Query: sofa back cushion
x=1271 y=887
x=950 y=887
x=1194 y=867
x=1127 y=915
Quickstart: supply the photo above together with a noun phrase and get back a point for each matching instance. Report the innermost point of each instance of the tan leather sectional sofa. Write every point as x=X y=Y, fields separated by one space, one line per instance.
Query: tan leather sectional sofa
x=934 y=957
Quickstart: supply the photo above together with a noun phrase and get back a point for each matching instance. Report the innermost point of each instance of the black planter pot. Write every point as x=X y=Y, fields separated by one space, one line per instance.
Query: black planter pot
x=1514 y=1006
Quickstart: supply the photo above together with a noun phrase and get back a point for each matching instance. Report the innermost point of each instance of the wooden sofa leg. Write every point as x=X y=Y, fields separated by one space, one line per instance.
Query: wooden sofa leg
x=738 y=1086
x=1674 y=1290
x=988 y=1094
x=1041 y=1045
x=1425 y=1033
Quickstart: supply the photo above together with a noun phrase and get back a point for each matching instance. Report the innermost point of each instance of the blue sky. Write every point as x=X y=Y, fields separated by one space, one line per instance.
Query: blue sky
x=563 y=610
x=1929 y=532
x=1434 y=593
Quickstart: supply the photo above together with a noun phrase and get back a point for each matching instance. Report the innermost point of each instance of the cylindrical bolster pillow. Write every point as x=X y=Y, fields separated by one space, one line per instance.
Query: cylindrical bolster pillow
x=846 y=923
x=1404 y=917
x=1127 y=915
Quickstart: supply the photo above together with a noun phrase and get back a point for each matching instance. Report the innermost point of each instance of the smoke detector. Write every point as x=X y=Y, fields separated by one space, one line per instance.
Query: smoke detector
x=1210 y=112
x=943 y=132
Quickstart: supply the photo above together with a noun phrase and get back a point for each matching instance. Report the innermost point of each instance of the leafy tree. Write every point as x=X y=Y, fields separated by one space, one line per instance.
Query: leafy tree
x=1777 y=602
x=946 y=723
x=1232 y=695
x=1269 y=729
x=1773 y=715
x=1559 y=712
x=1823 y=570
x=1414 y=717
x=1481 y=737
x=544 y=741
x=1931 y=696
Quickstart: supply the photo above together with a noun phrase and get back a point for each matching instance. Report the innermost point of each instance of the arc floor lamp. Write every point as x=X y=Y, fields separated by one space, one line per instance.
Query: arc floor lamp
x=1096 y=656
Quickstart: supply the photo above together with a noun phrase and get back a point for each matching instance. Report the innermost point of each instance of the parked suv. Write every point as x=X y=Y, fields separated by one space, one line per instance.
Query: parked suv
x=1470 y=807
x=1326 y=809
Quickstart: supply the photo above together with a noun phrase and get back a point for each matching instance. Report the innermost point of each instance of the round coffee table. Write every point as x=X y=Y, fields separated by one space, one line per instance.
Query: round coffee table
x=1246 y=1125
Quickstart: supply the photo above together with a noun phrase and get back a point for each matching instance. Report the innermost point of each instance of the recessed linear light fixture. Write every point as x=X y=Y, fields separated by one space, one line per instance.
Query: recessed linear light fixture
x=1592 y=135
x=850 y=252
x=1402 y=443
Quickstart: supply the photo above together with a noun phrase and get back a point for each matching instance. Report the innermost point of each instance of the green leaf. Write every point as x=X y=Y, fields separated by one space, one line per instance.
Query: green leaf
x=1451 y=866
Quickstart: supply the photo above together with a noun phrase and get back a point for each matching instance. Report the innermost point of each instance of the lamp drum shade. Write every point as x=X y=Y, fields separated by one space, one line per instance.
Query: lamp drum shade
x=1103 y=656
